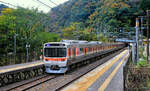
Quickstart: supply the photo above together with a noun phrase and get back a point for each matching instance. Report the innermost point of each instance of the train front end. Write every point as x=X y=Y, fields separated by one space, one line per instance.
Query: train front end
x=55 y=57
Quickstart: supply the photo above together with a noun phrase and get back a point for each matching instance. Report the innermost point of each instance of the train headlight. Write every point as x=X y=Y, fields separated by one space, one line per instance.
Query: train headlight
x=63 y=59
x=46 y=59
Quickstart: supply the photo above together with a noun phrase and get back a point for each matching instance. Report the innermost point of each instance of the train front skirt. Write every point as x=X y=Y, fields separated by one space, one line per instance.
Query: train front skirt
x=61 y=70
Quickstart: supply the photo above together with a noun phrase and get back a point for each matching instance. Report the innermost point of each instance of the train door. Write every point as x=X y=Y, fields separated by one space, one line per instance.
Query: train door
x=69 y=52
x=85 y=50
x=74 y=52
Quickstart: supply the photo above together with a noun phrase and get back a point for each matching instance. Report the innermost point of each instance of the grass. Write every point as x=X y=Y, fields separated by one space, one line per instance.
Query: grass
x=148 y=84
x=143 y=63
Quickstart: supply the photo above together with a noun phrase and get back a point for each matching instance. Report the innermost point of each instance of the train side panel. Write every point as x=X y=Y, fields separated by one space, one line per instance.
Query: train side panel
x=74 y=53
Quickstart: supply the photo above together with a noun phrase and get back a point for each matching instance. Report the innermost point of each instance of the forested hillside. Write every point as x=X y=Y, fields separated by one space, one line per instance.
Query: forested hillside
x=83 y=19
x=72 y=11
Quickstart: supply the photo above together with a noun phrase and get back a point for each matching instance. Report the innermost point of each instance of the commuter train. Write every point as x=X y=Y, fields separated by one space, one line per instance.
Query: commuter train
x=58 y=56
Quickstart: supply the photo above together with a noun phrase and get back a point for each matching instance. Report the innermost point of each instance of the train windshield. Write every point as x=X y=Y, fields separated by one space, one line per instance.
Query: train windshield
x=55 y=52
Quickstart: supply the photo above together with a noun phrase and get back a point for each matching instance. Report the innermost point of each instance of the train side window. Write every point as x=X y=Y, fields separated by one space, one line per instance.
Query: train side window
x=68 y=52
x=81 y=49
x=90 y=49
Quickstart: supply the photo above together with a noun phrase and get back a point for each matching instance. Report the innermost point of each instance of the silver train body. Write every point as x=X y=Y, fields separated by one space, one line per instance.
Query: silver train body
x=58 y=56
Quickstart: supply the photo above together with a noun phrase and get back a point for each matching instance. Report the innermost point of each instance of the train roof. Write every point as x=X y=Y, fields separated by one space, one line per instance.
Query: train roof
x=76 y=43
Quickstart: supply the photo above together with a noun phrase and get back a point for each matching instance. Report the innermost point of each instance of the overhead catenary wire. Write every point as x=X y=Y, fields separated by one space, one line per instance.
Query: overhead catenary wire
x=19 y=6
x=44 y=4
x=8 y=4
x=53 y=2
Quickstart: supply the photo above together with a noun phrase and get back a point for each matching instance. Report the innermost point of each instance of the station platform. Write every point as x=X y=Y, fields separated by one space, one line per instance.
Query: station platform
x=106 y=77
x=12 y=68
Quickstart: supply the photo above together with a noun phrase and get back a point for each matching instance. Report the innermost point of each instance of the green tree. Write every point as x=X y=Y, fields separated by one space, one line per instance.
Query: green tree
x=72 y=31
x=145 y=4
x=30 y=27
x=7 y=30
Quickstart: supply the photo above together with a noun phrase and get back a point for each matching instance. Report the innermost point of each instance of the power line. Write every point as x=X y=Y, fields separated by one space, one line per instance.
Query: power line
x=17 y=6
x=53 y=2
x=43 y=4
x=8 y=4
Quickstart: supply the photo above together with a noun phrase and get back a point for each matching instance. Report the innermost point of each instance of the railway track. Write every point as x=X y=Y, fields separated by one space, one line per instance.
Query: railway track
x=33 y=83
x=27 y=84
x=49 y=82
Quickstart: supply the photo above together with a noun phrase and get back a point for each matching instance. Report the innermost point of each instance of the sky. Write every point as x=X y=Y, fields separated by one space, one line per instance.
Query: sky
x=34 y=4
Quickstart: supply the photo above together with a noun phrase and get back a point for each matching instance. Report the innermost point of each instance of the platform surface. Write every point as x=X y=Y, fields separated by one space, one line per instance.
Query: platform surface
x=10 y=68
x=107 y=77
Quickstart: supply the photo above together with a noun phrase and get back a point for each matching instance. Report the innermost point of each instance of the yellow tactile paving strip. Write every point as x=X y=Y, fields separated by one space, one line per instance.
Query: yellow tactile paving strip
x=107 y=81
x=21 y=67
x=87 y=80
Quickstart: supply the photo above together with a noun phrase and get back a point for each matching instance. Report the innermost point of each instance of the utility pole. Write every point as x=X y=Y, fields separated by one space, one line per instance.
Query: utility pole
x=147 y=35
x=137 y=39
x=15 y=47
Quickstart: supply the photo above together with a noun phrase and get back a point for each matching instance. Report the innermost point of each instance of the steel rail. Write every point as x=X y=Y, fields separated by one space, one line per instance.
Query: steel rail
x=30 y=83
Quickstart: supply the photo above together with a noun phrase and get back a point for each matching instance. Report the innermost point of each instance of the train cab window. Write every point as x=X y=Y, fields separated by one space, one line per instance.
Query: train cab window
x=55 y=52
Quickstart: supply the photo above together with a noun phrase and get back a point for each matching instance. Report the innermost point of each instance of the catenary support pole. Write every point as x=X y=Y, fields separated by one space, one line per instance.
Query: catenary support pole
x=137 y=39
x=147 y=35
x=142 y=31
